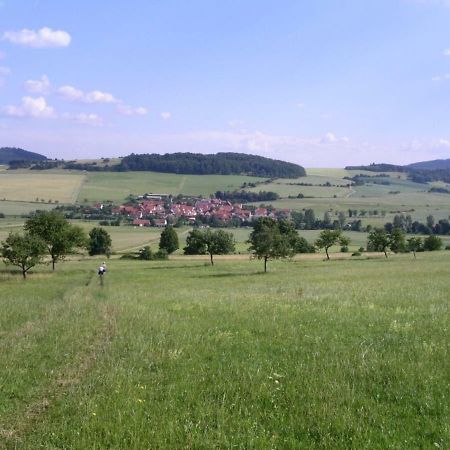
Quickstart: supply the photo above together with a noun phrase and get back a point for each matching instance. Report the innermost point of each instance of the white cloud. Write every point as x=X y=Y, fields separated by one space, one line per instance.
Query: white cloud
x=130 y=111
x=70 y=93
x=300 y=105
x=99 y=97
x=38 y=86
x=4 y=71
x=30 y=107
x=85 y=118
x=447 y=52
x=331 y=138
x=76 y=95
x=43 y=38
x=444 y=77
x=166 y=115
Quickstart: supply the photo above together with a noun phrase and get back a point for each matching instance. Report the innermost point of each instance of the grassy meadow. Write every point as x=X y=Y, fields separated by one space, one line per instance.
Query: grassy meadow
x=178 y=354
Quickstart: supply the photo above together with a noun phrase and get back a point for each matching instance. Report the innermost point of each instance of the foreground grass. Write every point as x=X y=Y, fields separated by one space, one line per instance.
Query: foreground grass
x=177 y=354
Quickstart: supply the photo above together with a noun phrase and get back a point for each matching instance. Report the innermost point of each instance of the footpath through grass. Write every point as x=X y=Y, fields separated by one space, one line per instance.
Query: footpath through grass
x=178 y=354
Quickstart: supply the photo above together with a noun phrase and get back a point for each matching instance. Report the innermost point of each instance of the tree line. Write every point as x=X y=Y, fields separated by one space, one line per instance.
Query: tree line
x=50 y=235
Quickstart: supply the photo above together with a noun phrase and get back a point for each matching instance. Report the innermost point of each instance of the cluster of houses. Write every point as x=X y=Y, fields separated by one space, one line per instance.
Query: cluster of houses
x=159 y=210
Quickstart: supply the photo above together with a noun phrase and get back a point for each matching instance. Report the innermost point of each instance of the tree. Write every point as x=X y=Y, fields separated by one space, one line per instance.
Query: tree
x=328 y=238
x=99 y=242
x=195 y=244
x=269 y=241
x=60 y=236
x=208 y=242
x=397 y=240
x=378 y=241
x=24 y=251
x=432 y=243
x=145 y=253
x=218 y=243
x=169 y=240
x=414 y=244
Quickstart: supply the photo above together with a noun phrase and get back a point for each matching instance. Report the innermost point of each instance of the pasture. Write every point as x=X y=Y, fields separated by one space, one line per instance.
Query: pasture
x=178 y=354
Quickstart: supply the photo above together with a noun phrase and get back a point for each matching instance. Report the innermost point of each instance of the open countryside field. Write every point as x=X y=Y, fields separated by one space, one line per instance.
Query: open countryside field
x=178 y=354
x=27 y=185
x=118 y=186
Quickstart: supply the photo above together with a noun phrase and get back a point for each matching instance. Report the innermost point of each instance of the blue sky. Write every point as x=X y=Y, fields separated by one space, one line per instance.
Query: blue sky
x=322 y=83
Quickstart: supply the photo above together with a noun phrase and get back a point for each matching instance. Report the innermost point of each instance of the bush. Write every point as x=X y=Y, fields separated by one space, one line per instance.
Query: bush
x=145 y=253
x=161 y=254
x=104 y=223
x=361 y=249
x=447 y=247
x=128 y=256
x=344 y=249
x=356 y=254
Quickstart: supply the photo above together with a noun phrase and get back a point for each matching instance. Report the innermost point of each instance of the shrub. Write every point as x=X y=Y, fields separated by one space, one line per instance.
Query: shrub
x=161 y=254
x=356 y=254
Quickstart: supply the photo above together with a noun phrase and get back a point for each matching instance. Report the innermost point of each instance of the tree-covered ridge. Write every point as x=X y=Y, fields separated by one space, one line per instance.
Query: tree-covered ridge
x=8 y=154
x=423 y=172
x=213 y=164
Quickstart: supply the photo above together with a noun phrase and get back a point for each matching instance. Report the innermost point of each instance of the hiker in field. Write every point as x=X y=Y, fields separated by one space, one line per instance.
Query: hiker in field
x=102 y=271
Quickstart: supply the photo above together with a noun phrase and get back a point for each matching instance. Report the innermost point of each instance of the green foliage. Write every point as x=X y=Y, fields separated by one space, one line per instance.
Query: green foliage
x=145 y=253
x=378 y=241
x=397 y=241
x=99 y=242
x=23 y=250
x=220 y=163
x=217 y=242
x=272 y=240
x=169 y=240
x=60 y=237
x=432 y=243
x=303 y=246
x=414 y=244
x=328 y=238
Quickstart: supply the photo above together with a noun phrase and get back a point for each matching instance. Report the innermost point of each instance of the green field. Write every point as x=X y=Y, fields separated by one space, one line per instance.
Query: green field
x=117 y=186
x=178 y=354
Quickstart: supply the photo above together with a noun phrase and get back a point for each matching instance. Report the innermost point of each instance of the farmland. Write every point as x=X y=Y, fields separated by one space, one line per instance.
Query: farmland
x=178 y=354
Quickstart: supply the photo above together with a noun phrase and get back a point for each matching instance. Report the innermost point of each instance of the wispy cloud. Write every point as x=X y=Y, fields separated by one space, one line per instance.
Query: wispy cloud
x=42 y=38
x=4 y=71
x=73 y=94
x=84 y=118
x=438 y=78
x=130 y=111
x=30 y=107
x=40 y=86
x=166 y=115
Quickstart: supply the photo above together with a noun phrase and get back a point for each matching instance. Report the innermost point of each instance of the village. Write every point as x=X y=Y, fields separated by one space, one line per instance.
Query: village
x=160 y=210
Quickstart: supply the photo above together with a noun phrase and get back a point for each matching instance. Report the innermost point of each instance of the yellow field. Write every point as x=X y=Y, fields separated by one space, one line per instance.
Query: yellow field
x=29 y=186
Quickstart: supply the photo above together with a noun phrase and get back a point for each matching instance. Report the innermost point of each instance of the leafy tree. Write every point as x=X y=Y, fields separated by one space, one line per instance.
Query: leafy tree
x=99 y=242
x=378 y=241
x=145 y=253
x=303 y=246
x=60 y=236
x=414 y=244
x=397 y=240
x=328 y=238
x=24 y=251
x=169 y=240
x=195 y=244
x=218 y=243
x=432 y=243
x=270 y=241
x=214 y=243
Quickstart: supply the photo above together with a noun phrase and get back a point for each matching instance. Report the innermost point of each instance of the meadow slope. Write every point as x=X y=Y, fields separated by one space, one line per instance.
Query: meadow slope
x=178 y=354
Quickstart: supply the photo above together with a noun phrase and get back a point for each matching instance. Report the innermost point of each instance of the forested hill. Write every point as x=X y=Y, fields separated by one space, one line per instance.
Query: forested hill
x=220 y=164
x=436 y=164
x=8 y=154
x=421 y=172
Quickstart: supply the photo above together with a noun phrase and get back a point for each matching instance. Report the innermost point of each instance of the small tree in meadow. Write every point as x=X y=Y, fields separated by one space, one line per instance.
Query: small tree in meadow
x=269 y=240
x=432 y=243
x=414 y=244
x=169 y=240
x=328 y=238
x=99 y=242
x=23 y=250
x=218 y=243
x=378 y=241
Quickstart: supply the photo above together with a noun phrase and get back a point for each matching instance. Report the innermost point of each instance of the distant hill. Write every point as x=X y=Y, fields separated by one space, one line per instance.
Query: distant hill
x=190 y=164
x=436 y=164
x=420 y=172
x=8 y=154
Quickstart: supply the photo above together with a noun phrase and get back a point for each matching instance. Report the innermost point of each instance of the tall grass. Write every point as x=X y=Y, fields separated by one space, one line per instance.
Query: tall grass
x=178 y=354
